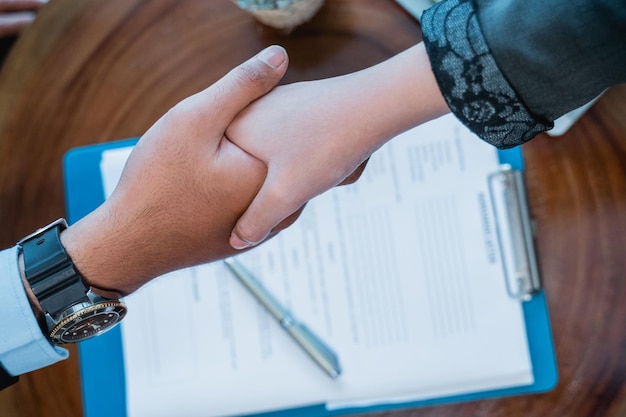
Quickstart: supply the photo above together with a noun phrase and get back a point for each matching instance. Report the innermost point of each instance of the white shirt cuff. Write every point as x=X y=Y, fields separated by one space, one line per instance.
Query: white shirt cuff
x=23 y=347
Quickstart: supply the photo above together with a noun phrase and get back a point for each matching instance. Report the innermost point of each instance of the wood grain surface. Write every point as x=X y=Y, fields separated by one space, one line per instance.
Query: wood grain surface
x=93 y=71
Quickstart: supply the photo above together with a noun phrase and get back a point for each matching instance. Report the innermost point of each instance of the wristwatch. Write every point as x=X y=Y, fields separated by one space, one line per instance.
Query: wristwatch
x=73 y=311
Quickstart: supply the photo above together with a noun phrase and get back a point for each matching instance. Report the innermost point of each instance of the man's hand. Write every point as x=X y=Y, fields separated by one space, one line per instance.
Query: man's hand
x=182 y=189
x=15 y=15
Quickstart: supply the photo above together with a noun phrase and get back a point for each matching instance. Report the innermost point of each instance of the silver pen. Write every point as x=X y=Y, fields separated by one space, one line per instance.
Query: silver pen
x=324 y=356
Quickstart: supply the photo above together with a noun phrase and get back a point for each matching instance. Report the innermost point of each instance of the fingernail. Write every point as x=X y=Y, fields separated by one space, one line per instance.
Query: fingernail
x=238 y=243
x=274 y=56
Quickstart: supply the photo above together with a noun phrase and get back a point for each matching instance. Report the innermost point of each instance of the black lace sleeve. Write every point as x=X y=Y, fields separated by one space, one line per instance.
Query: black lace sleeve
x=474 y=87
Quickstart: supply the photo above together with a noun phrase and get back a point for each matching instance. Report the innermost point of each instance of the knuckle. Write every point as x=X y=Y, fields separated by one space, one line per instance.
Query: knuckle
x=280 y=197
x=250 y=231
x=250 y=75
x=278 y=201
x=192 y=114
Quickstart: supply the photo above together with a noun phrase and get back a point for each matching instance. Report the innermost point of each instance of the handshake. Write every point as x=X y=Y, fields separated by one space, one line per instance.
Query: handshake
x=232 y=165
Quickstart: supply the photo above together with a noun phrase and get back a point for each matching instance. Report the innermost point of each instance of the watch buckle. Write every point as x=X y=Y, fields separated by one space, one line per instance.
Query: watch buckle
x=42 y=230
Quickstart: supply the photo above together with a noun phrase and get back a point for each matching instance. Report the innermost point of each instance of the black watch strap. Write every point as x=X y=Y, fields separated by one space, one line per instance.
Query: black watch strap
x=6 y=379
x=50 y=271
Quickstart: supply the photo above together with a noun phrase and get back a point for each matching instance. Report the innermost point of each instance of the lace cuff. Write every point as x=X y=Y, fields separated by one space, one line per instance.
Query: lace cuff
x=474 y=87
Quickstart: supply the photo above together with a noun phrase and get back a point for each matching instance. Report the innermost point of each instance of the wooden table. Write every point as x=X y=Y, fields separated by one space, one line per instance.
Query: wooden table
x=97 y=70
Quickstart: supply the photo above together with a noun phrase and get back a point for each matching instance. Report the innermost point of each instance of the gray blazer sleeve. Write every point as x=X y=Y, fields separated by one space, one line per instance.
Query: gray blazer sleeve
x=509 y=68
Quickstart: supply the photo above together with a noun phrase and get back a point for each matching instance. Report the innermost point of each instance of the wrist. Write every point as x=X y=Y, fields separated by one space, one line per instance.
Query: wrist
x=115 y=252
x=397 y=95
x=98 y=262
x=67 y=309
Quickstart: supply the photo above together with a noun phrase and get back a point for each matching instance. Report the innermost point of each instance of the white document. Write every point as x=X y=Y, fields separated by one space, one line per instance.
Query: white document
x=399 y=273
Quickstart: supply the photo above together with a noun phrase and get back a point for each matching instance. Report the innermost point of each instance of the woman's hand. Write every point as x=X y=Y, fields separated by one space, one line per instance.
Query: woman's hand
x=315 y=135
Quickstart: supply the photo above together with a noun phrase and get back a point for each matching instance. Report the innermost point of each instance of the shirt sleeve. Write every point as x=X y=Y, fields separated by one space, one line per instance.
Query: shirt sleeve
x=509 y=68
x=23 y=346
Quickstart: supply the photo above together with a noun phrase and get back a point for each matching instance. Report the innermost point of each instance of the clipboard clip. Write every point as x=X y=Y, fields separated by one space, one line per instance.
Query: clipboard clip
x=514 y=232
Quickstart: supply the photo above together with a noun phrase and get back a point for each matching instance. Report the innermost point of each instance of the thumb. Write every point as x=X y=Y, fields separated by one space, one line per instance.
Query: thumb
x=266 y=211
x=241 y=85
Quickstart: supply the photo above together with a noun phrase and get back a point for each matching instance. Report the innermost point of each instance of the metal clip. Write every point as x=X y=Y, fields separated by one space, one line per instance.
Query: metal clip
x=515 y=236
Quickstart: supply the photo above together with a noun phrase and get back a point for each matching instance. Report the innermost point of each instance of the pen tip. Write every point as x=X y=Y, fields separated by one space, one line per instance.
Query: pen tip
x=334 y=373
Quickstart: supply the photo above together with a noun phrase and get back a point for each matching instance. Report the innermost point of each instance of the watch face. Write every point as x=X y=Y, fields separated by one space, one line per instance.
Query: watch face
x=88 y=322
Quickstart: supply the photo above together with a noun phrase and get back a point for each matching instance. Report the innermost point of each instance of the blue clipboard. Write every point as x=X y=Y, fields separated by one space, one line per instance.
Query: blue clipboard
x=101 y=359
